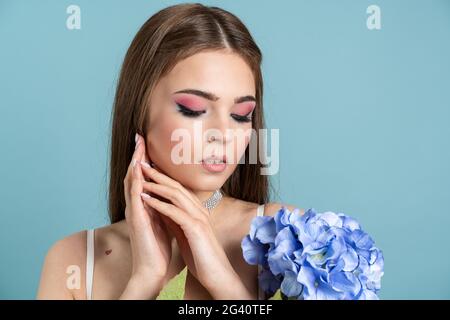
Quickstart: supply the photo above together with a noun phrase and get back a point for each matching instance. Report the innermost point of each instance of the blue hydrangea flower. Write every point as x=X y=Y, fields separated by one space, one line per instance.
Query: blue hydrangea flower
x=315 y=256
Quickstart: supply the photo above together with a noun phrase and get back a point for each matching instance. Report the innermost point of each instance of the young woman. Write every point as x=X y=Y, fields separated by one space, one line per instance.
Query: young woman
x=188 y=64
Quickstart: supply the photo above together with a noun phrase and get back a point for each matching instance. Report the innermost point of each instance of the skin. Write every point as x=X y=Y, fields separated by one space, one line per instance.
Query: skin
x=175 y=230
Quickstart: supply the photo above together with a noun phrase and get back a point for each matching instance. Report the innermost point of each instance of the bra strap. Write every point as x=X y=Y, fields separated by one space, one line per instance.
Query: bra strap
x=89 y=263
x=260 y=211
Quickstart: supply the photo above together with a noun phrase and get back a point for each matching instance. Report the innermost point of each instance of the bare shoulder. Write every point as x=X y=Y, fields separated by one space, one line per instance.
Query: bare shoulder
x=270 y=208
x=273 y=207
x=64 y=267
x=64 y=257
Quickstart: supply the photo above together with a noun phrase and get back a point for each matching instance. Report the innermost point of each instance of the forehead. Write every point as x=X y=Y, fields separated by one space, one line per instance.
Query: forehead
x=220 y=72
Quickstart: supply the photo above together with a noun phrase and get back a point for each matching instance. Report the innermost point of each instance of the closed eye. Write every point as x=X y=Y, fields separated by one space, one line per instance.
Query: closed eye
x=239 y=118
x=188 y=112
x=192 y=114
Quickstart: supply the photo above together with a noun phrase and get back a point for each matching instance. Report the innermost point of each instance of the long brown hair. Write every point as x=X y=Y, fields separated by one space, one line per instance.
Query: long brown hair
x=170 y=35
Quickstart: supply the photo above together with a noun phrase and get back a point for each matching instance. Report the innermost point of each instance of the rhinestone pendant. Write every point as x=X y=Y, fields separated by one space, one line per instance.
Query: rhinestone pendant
x=212 y=201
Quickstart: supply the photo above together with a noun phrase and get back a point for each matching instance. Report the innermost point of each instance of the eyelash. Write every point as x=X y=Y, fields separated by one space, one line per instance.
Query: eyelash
x=192 y=114
x=188 y=112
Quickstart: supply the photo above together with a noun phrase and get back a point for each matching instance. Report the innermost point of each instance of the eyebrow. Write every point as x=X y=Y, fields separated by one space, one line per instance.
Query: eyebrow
x=212 y=97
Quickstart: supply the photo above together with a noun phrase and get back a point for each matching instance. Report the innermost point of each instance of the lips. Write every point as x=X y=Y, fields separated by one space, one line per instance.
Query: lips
x=215 y=160
x=214 y=164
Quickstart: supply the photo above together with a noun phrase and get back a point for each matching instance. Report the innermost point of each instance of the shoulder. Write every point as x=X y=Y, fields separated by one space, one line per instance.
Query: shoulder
x=64 y=267
x=66 y=256
x=270 y=208
x=273 y=207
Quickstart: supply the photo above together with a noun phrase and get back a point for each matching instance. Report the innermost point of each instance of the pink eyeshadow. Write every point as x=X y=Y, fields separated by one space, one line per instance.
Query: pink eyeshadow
x=190 y=102
x=245 y=108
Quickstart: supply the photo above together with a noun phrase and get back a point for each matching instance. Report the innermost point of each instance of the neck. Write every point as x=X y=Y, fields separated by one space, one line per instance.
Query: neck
x=203 y=195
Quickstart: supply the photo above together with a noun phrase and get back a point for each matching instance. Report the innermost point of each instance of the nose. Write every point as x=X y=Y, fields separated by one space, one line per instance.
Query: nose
x=218 y=136
x=219 y=130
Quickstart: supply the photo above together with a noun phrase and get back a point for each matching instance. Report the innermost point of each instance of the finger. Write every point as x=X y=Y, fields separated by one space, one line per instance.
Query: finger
x=146 y=164
x=173 y=228
x=134 y=156
x=146 y=155
x=152 y=213
x=194 y=197
x=182 y=241
x=177 y=215
x=137 y=159
x=161 y=178
x=146 y=160
x=175 y=196
x=156 y=218
x=137 y=176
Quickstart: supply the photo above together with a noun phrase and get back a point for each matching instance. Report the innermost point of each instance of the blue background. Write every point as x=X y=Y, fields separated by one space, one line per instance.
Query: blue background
x=363 y=117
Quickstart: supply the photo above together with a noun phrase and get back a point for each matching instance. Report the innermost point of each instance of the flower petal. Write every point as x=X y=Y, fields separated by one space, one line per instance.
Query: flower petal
x=265 y=232
x=290 y=286
x=347 y=283
x=368 y=295
x=332 y=219
x=307 y=278
x=350 y=259
x=253 y=252
x=268 y=282
x=326 y=292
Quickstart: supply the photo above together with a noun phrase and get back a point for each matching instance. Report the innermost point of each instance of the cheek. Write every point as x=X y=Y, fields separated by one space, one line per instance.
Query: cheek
x=240 y=147
x=160 y=134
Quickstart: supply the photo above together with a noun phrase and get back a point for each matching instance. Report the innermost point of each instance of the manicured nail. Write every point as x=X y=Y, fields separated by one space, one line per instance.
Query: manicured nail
x=134 y=162
x=145 y=195
x=145 y=164
x=136 y=137
x=137 y=144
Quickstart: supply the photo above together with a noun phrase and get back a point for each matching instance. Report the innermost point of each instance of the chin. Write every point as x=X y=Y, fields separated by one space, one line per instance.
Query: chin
x=200 y=179
x=196 y=177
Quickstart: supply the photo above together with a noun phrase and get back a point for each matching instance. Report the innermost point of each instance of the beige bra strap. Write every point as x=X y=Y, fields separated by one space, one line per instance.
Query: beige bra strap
x=260 y=211
x=89 y=263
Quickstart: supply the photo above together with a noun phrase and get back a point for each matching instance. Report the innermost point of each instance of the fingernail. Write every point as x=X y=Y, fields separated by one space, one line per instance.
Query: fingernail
x=134 y=162
x=137 y=144
x=136 y=137
x=145 y=195
x=145 y=164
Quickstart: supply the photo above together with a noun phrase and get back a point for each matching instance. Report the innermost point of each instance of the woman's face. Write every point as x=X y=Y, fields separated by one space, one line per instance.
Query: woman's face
x=182 y=117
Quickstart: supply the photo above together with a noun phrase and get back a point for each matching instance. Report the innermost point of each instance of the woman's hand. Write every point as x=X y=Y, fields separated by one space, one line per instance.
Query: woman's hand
x=189 y=221
x=150 y=242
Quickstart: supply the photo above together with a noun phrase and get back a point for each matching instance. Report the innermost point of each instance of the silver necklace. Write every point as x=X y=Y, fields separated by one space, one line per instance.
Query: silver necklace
x=213 y=201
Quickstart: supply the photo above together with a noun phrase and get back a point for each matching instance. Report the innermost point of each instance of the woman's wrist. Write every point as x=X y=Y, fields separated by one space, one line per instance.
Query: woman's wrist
x=142 y=288
x=229 y=286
